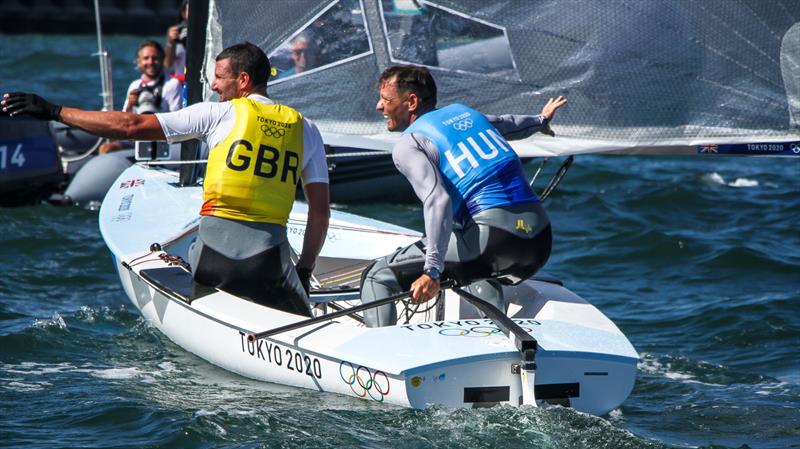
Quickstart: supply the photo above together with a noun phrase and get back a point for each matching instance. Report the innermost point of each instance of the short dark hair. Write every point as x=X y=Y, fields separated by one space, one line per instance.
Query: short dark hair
x=248 y=58
x=412 y=78
x=149 y=43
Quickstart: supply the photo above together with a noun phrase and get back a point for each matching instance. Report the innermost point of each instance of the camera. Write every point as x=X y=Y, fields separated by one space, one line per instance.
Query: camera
x=147 y=102
x=183 y=31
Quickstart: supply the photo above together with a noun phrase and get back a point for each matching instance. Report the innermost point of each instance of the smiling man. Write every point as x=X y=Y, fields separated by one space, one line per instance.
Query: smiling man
x=259 y=151
x=482 y=220
x=152 y=92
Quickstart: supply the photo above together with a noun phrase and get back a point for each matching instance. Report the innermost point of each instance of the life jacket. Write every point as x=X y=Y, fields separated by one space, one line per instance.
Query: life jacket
x=252 y=174
x=481 y=170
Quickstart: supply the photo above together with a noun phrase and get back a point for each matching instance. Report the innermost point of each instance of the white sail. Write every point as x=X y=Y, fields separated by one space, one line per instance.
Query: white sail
x=704 y=77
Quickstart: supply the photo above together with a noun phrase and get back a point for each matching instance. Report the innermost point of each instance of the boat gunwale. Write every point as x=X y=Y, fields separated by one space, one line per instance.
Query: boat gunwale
x=403 y=374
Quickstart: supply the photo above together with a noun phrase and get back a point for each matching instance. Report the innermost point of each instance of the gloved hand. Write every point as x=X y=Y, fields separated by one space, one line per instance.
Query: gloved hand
x=16 y=103
x=305 y=278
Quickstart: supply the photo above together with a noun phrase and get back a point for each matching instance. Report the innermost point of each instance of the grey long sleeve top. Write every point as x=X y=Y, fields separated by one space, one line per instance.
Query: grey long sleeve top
x=417 y=157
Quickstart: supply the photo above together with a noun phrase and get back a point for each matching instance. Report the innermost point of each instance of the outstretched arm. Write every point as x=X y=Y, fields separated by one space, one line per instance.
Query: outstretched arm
x=515 y=127
x=115 y=125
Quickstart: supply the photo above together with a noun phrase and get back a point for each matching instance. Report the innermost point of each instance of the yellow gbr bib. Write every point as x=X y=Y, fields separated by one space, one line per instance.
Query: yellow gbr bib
x=252 y=175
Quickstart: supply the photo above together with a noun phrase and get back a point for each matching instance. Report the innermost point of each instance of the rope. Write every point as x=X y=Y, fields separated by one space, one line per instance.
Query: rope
x=204 y=161
x=556 y=180
x=196 y=161
x=357 y=154
x=83 y=155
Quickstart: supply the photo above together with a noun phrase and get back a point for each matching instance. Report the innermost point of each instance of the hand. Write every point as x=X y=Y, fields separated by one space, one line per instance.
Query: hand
x=173 y=34
x=133 y=99
x=552 y=106
x=424 y=289
x=16 y=103
x=305 y=278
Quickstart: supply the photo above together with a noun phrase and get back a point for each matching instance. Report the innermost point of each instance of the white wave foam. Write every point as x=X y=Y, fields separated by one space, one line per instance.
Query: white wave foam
x=717 y=179
x=744 y=182
x=713 y=178
x=167 y=366
x=117 y=373
x=616 y=416
x=55 y=321
x=649 y=364
x=22 y=386
x=37 y=369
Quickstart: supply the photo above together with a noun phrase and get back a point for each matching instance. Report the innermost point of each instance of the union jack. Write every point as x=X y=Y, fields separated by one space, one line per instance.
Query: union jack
x=131 y=183
x=709 y=148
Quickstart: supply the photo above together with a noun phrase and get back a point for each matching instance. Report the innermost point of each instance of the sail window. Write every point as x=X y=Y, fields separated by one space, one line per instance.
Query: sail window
x=336 y=35
x=421 y=32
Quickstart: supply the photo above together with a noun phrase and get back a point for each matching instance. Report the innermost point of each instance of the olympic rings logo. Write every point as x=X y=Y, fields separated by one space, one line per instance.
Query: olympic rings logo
x=463 y=125
x=272 y=131
x=363 y=382
x=474 y=332
x=796 y=149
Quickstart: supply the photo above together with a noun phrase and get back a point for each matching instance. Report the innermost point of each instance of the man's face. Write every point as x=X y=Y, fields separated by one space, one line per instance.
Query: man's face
x=394 y=106
x=304 y=56
x=226 y=84
x=149 y=62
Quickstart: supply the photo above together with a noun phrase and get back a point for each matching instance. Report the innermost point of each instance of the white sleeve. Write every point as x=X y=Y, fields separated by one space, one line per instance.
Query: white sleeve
x=315 y=167
x=173 y=95
x=198 y=121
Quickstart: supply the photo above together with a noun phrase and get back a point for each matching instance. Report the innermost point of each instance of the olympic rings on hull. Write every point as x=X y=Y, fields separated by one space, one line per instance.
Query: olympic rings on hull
x=474 y=332
x=364 y=382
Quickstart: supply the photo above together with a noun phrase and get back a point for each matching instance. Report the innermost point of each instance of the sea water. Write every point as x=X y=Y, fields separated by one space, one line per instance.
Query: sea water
x=697 y=260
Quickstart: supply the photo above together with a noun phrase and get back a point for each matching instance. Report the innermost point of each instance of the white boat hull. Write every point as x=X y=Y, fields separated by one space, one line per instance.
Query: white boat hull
x=583 y=360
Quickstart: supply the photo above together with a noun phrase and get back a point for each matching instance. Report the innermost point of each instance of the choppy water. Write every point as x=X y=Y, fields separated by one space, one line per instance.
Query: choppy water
x=697 y=261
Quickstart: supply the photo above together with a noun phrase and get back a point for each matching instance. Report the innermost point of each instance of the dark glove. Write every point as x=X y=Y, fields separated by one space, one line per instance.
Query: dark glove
x=305 y=278
x=16 y=103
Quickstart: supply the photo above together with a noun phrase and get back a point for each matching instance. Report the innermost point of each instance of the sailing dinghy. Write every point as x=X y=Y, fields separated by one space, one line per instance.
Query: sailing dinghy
x=552 y=347
x=664 y=84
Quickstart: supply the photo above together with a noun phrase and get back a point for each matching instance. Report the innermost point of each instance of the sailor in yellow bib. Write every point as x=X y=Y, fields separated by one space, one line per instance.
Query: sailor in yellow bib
x=252 y=175
x=259 y=153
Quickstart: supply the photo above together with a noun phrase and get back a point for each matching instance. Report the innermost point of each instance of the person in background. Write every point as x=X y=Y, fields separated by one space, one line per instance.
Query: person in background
x=175 y=48
x=304 y=53
x=482 y=219
x=259 y=151
x=152 y=92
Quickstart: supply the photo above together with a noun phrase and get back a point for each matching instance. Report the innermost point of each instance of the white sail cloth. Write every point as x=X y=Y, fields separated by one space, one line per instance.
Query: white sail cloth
x=659 y=75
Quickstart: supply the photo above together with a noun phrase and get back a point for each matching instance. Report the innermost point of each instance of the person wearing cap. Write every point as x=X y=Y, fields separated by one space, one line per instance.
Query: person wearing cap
x=152 y=92
x=259 y=152
x=483 y=222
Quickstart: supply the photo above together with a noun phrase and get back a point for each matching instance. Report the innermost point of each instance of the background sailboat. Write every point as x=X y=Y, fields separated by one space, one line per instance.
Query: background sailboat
x=665 y=76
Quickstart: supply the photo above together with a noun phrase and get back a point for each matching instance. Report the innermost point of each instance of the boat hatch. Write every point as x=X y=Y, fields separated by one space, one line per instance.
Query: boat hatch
x=486 y=395
x=177 y=282
x=558 y=394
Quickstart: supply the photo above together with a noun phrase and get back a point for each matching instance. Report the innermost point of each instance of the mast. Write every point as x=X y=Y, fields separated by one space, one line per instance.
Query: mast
x=105 y=64
x=195 y=51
